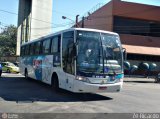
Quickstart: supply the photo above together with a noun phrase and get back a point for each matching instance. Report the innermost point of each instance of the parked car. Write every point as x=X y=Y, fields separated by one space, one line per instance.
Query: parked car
x=9 y=67
x=16 y=63
x=0 y=69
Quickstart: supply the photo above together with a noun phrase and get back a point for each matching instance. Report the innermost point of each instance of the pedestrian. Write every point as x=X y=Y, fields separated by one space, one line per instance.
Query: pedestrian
x=0 y=69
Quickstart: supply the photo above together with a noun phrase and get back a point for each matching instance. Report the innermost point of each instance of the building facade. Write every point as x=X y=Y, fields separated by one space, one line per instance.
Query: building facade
x=34 y=20
x=137 y=24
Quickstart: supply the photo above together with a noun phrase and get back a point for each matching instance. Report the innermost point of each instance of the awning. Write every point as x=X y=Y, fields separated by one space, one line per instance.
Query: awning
x=142 y=50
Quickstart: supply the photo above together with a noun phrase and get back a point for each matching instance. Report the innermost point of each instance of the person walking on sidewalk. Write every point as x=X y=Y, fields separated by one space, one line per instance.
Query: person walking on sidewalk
x=0 y=69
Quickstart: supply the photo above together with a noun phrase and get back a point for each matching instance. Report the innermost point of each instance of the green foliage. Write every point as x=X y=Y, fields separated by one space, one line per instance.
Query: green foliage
x=8 y=40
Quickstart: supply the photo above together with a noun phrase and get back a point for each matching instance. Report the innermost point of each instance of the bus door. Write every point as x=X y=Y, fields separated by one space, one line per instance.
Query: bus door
x=68 y=63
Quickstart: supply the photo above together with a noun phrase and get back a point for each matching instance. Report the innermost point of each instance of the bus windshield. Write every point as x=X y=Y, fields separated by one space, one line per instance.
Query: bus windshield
x=99 y=54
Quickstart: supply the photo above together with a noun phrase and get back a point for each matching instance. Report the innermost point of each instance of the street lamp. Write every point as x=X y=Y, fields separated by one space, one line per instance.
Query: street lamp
x=64 y=17
x=76 y=23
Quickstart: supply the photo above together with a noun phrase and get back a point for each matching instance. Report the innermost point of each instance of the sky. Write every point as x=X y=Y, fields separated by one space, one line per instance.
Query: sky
x=68 y=8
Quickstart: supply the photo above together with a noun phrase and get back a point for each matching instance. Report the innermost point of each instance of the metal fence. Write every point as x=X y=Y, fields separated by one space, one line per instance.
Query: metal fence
x=9 y=59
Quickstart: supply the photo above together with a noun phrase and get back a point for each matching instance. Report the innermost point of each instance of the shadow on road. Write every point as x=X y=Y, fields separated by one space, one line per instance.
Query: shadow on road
x=139 y=81
x=26 y=91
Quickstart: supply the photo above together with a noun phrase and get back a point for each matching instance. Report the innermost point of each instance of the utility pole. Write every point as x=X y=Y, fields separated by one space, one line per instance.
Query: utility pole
x=83 y=21
x=77 y=21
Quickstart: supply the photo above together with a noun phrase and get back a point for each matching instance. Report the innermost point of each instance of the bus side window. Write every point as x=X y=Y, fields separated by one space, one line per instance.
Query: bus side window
x=29 y=53
x=41 y=47
x=22 y=50
x=37 y=48
x=46 y=46
x=23 y=53
x=55 y=50
x=67 y=49
x=27 y=50
x=55 y=46
x=32 y=49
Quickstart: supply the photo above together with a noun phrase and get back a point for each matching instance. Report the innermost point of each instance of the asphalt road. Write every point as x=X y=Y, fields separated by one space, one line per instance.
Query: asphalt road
x=18 y=95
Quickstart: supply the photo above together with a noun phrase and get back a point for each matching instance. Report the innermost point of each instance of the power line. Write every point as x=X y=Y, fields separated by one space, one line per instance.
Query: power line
x=55 y=11
x=41 y=28
x=3 y=24
x=92 y=17
x=8 y=12
x=31 y=18
x=63 y=25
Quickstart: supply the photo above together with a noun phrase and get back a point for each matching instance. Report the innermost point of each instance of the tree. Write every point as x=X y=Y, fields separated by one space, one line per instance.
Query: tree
x=8 y=38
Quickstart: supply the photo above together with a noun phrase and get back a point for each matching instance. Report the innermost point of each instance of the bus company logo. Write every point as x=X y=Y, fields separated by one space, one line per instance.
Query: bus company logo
x=37 y=64
x=4 y=116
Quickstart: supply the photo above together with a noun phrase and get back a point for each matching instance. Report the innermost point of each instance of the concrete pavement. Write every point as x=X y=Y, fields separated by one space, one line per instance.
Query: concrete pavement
x=18 y=95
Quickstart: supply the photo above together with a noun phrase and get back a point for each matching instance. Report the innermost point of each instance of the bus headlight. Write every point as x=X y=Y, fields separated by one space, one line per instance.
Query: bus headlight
x=81 y=78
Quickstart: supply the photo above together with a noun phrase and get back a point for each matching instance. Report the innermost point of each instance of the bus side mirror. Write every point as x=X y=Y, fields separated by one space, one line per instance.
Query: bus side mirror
x=124 y=54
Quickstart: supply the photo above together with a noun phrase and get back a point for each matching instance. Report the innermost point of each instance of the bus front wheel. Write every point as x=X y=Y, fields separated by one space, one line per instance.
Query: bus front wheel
x=55 y=83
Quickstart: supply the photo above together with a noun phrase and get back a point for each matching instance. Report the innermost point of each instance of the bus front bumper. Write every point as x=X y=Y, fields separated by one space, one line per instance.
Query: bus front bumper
x=83 y=87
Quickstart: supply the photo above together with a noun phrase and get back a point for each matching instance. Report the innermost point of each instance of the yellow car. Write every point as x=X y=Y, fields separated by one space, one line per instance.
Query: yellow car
x=9 y=67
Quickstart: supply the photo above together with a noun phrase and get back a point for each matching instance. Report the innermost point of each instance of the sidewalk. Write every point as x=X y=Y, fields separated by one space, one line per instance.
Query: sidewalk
x=138 y=79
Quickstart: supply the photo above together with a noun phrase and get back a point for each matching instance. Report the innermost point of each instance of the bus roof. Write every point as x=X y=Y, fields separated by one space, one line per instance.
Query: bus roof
x=95 y=30
x=86 y=29
x=71 y=29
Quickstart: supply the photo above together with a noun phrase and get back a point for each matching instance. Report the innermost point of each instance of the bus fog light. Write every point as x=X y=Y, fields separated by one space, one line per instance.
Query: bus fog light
x=121 y=80
x=118 y=80
x=84 y=79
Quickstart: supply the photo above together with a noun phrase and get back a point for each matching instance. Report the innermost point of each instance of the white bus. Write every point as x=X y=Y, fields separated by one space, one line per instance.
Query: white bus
x=78 y=60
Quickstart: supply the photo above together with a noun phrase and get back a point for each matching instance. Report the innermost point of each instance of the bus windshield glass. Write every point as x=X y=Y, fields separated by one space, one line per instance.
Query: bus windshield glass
x=99 y=54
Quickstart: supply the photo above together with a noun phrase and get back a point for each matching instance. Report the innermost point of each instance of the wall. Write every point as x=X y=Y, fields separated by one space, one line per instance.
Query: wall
x=136 y=11
x=140 y=40
x=41 y=22
x=34 y=20
x=10 y=59
x=101 y=19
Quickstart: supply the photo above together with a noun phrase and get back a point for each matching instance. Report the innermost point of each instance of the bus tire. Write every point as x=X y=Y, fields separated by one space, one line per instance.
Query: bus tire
x=26 y=74
x=55 y=82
